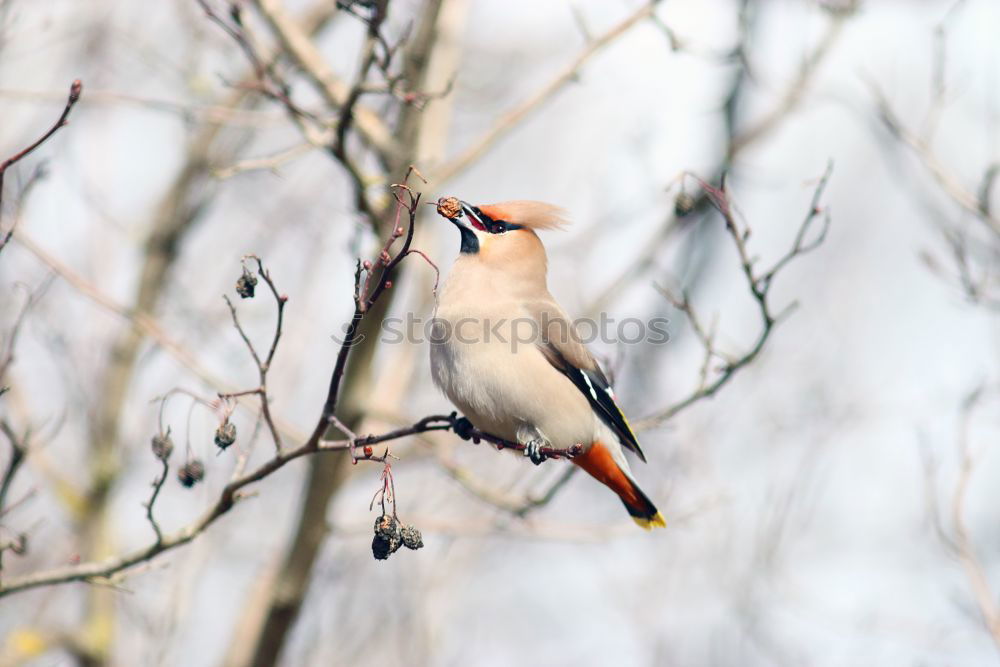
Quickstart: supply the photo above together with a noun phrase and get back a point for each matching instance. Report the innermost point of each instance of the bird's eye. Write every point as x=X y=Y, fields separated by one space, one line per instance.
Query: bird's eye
x=498 y=227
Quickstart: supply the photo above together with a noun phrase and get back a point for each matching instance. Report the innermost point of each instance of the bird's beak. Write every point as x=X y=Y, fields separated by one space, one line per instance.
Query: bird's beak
x=458 y=221
x=471 y=215
x=455 y=211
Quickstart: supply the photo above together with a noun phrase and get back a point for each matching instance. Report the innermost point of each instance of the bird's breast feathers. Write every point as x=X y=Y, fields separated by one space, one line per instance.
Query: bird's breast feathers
x=493 y=371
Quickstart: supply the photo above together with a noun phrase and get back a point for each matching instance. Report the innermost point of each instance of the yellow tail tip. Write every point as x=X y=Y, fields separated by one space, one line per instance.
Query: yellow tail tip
x=656 y=520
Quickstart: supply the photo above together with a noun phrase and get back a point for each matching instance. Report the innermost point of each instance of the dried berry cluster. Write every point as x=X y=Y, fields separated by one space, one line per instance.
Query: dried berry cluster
x=390 y=534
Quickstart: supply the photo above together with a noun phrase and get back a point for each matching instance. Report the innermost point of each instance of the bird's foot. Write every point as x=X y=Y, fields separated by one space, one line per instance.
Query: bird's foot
x=463 y=428
x=533 y=451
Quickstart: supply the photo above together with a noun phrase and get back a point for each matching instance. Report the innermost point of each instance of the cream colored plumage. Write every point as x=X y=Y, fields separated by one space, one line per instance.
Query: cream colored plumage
x=505 y=354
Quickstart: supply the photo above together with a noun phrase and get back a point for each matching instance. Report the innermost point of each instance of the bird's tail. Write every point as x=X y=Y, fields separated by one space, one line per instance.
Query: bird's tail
x=600 y=463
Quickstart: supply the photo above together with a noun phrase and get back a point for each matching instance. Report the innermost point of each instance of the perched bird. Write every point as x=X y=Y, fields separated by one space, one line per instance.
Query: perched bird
x=506 y=355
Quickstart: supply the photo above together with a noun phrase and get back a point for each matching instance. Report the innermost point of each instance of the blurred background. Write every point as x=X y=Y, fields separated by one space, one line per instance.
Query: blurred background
x=833 y=503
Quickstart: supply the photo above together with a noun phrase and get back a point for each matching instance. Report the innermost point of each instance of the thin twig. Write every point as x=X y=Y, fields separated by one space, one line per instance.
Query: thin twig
x=266 y=80
x=10 y=344
x=945 y=179
x=534 y=502
x=206 y=113
x=512 y=118
x=268 y=163
x=75 y=89
x=157 y=485
x=18 y=450
x=961 y=542
x=437 y=271
x=795 y=92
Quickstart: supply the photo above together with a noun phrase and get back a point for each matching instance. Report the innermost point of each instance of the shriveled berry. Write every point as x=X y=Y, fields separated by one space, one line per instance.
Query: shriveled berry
x=381 y=548
x=412 y=539
x=162 y=446
x=683 y=204
x=225 y=435
x=191 y=473
x=246 y=284
x=388 y=537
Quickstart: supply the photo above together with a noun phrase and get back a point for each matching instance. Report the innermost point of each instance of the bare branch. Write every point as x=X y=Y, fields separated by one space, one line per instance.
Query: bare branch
x=512 y=118
x=10 y=344
x=74 y=96
x=760 y=287
x=958 y=539
x=948 y=182
x=204 y=113
x=437 y=271
x=795 y=92
x=368 y=60
x=157 y=485
x=268 y=163
x=263 y=366
x=18 y=450
x=266 y=81
x=295 y=41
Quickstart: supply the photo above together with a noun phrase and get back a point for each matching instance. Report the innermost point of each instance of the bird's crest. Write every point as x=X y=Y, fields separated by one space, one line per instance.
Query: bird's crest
x=530 y=214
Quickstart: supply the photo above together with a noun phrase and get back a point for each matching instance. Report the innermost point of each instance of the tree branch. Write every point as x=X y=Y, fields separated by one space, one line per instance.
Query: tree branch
x=512 y=118
x=760 y=287
x=18 y=450
x=948 y=182
x=157 y=485
x=263 y=366
x=958 y=540
x=75 y=89
x=295 y=41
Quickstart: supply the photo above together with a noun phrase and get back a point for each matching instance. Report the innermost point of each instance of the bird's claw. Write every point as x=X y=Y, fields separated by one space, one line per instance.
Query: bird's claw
x=533 y=451
x=463 y=428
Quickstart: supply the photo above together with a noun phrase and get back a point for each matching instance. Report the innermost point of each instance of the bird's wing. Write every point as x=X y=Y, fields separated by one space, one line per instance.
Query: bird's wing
x=562 y=347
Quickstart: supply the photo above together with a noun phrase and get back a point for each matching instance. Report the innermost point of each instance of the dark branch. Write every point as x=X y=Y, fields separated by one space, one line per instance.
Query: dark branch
x=75 y=89
x=17 y=454
x=157 y=485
